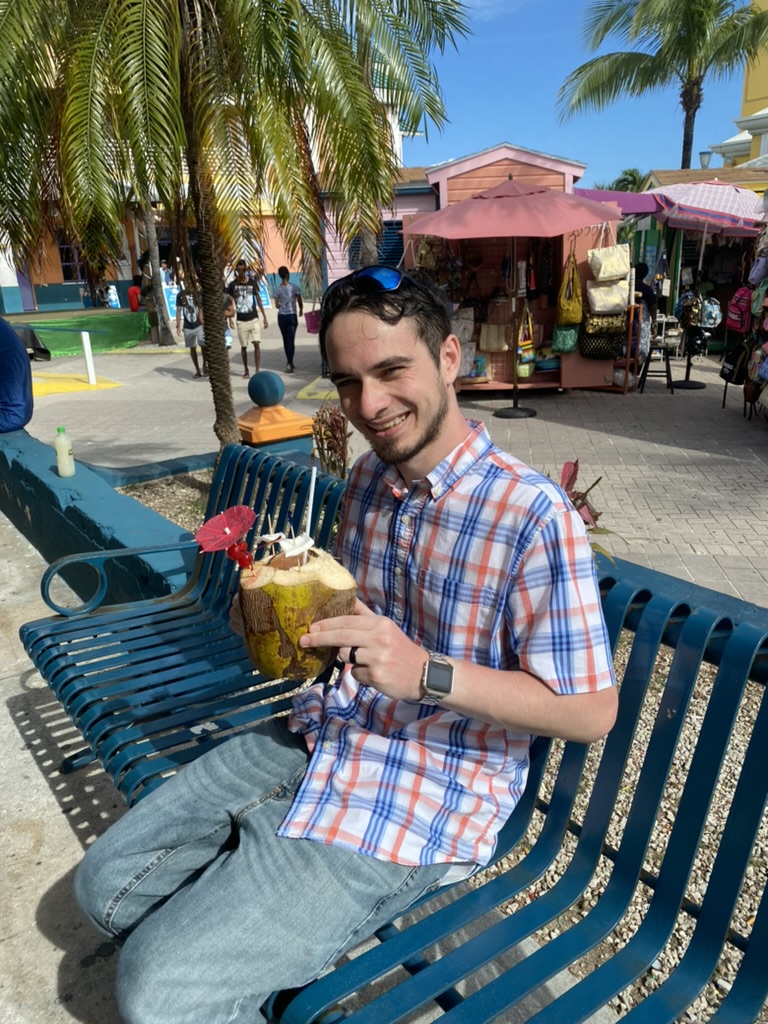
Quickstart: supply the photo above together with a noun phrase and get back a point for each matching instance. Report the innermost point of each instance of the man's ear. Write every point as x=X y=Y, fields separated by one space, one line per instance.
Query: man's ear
x=450 y=358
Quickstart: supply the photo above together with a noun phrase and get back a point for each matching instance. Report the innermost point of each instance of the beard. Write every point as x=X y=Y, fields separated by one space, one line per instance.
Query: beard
x=394 y=451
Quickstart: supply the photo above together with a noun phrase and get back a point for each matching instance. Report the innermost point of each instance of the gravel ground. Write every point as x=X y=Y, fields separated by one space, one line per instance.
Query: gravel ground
x=182 y=500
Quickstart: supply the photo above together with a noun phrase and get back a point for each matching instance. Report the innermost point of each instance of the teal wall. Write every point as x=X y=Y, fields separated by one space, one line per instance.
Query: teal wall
x=10 y=299
x=83 y=513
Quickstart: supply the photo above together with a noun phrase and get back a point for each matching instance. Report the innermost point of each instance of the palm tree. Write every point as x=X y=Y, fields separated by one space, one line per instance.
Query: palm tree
x=221 y=103
x=631 y=179
x=675 y=42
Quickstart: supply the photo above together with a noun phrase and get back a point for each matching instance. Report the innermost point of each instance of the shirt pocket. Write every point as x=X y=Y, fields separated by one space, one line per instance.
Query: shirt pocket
x=464 y=617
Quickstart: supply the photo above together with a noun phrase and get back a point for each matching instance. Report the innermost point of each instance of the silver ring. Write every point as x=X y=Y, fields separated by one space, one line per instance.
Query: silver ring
x=352 y=655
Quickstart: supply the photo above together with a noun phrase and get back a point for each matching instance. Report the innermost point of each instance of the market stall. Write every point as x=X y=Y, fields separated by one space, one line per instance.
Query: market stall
x=500 y=256
x=709 y=210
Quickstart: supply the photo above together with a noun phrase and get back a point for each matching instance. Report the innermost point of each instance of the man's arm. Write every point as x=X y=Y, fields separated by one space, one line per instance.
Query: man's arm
x=386 y=659
x=260 y=304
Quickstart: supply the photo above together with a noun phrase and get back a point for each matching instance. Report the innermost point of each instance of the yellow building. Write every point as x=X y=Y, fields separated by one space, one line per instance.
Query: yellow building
x=749 y=147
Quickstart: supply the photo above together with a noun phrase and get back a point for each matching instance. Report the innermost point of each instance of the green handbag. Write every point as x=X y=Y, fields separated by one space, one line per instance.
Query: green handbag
x=565 y=338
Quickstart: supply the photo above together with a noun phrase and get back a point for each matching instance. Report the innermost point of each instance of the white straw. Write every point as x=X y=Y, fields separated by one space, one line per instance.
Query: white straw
x=310 y=501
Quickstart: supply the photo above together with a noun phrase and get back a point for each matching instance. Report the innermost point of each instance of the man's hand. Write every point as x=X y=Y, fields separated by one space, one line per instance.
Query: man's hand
x=384 y=656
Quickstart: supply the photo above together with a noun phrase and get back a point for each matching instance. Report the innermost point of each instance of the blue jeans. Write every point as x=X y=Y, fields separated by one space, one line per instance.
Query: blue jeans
x=214 y=909
x=288 y=324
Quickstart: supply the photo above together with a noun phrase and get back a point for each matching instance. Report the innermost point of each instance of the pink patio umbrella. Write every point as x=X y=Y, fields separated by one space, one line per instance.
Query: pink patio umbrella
x=514 y=210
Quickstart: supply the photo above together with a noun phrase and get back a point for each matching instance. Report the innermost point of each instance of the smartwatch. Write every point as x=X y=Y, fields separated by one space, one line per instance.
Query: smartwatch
x=436 y=680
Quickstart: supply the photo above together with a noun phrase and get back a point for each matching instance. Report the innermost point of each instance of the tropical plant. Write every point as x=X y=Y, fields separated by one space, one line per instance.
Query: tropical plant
x=223 y=105
x=631 y=179
x=674 y=42
x=583 y=504
x=331 y=436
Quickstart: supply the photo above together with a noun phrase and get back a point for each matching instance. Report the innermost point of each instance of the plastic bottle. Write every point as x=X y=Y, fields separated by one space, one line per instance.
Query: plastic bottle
x=65 y=462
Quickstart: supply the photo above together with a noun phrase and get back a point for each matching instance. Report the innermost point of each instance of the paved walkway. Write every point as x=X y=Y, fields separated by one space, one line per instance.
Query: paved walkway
x=684 y=486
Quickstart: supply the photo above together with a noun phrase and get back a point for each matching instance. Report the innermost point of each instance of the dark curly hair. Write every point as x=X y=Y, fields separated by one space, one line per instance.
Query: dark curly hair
x=416 y=298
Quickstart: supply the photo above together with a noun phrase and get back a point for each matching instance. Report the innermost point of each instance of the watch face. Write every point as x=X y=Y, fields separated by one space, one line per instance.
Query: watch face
x=439 y=678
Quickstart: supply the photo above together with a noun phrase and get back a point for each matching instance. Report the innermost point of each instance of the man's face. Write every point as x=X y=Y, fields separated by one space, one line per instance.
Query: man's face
x=242 y=270
x=390 y=389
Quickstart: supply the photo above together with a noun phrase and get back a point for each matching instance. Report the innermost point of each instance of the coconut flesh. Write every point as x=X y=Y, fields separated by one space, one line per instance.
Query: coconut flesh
x=280 y=598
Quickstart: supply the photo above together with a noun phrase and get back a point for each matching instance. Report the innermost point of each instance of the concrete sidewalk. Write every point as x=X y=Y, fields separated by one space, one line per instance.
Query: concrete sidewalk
x=684 y=486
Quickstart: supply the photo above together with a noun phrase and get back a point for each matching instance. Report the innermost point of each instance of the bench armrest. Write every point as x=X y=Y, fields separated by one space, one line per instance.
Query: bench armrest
x=98 y=560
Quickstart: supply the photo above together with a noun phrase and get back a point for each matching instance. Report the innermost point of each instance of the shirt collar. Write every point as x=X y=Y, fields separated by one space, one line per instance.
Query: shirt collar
x=475 y=446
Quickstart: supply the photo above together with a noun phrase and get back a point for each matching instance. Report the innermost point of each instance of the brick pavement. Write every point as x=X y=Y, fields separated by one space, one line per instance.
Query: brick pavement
x=684 y=482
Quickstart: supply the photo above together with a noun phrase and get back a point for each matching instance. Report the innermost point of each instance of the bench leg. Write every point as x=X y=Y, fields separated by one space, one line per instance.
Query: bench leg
x=76 y=761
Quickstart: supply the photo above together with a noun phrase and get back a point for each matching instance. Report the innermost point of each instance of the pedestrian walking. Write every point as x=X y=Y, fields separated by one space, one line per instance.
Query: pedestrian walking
x=287 y=298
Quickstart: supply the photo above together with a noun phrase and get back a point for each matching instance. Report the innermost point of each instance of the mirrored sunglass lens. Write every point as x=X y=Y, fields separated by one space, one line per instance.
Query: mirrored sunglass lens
x=387 y=278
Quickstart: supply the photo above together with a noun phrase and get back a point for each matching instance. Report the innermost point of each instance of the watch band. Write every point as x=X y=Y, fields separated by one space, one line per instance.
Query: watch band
x=436 y=685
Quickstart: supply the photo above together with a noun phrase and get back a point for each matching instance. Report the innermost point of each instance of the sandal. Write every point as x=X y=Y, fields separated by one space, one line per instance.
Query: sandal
x=246 y=375
x=198 y=374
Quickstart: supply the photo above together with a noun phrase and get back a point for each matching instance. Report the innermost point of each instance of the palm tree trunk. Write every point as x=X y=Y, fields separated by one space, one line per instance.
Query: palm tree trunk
x=688 y=125
x=211 y=275
x=691 y=98
x=165 y=334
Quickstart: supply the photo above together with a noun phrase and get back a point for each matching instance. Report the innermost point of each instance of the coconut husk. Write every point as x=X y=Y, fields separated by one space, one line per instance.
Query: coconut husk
x=280 y=599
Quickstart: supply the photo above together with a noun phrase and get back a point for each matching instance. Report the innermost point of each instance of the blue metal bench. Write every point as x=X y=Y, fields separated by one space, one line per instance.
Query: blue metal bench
x=598 y=827
x=151 y=684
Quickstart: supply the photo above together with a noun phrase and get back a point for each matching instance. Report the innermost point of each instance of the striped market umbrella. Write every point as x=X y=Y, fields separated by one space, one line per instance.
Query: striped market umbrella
x=714 y=207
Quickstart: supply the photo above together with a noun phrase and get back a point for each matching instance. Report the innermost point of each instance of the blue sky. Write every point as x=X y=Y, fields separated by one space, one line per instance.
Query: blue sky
x=502 y=85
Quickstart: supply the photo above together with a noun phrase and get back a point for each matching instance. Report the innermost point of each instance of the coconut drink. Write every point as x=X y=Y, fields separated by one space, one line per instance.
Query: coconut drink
x=283 y=594
x=280 y=598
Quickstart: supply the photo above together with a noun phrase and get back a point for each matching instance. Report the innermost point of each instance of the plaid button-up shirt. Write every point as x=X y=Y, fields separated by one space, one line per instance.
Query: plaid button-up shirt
x=486 y=561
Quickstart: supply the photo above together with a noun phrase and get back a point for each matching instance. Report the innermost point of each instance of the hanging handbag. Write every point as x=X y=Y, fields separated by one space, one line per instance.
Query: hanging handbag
x=608 y=296
x=493 y=338
x=600 y=346
x=569 y=302
x=565 y=338
x=463 y=324
x=525 y=350
x=608 y=262
x=605 y=323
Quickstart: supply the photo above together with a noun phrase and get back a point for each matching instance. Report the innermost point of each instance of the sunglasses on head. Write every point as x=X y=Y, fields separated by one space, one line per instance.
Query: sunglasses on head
x=370 y=280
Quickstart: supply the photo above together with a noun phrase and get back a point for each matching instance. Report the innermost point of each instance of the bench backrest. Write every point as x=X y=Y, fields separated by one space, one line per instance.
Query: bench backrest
x=277 y=490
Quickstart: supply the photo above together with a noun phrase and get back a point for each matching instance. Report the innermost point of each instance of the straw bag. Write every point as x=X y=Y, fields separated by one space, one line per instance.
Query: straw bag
x=608 y=296
x=608 y=262
x=569 y=304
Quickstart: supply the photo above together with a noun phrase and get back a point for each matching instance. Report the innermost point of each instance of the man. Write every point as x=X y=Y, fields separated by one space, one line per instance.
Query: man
x=189 y=315
x=399 y=777
x=248 y=302
x=134 y=294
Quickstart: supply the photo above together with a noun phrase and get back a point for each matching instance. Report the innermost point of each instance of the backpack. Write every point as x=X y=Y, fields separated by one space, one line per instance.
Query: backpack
x=690 y=310
x=739 y=311
x=759 y=270
x=711 y=314
x=735 y=362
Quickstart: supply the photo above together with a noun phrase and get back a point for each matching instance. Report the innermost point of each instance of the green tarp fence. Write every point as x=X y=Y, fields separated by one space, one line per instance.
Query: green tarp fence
x=108 y=331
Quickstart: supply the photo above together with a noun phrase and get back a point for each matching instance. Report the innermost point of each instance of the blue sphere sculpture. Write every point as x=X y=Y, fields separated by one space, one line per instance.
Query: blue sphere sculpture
x=266 y=388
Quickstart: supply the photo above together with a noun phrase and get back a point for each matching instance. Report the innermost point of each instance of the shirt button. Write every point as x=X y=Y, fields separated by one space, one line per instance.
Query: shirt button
x=327 y=746
x=406 y=520
x=398 y=570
